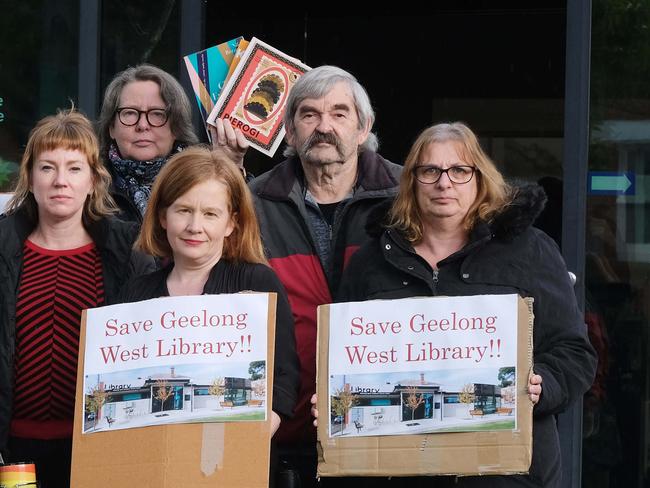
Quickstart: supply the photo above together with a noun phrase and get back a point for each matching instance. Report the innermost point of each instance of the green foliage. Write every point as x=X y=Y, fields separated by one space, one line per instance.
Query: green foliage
x=620 y=54
x=257 y=370
x=8 y=172
x=620 y=67
x=506 y=376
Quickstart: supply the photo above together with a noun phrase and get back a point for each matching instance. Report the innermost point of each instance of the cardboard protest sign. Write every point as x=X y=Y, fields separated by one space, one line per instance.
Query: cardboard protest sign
x=254 y=98
x=402 y=381
x=208 y=70
x=4 y=199
x=175 y=360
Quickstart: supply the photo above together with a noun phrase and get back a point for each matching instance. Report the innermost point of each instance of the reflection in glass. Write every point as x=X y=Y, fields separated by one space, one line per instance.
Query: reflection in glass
x=38 y=72
x=617 y=408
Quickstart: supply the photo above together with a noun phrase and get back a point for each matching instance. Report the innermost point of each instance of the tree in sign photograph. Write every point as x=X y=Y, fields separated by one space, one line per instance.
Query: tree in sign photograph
x=163 y=392
x=413 y=399
x=95 y=400
x=342 y=402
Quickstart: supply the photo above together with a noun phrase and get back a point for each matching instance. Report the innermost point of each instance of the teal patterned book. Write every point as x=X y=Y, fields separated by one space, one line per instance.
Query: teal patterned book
x=208 y=70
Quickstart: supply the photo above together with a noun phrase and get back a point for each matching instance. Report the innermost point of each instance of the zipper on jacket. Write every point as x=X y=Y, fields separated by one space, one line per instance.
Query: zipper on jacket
x=435 y=281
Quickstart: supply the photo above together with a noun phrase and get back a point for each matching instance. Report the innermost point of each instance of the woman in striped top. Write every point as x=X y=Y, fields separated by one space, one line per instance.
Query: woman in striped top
x=60 y=253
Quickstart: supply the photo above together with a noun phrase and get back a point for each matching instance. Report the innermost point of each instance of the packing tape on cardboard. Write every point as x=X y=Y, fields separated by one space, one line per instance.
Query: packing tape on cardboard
x=212 y=447
x=488 y=452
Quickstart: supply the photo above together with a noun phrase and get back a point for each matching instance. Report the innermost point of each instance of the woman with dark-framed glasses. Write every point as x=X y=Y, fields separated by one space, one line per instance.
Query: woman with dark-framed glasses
x=457 y=228
x=146 y=118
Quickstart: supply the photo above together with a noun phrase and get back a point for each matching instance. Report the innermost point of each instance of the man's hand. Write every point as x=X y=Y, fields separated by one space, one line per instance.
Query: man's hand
x=231 y=142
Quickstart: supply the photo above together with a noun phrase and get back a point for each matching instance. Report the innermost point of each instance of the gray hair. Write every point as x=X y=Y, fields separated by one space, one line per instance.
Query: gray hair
x=171 y=91
x=316 y=84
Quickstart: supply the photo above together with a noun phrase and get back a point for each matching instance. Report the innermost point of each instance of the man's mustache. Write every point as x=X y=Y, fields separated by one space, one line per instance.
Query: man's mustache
x=319 y=137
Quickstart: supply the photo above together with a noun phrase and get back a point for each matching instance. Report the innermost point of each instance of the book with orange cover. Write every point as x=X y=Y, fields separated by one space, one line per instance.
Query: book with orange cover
x=254 y=98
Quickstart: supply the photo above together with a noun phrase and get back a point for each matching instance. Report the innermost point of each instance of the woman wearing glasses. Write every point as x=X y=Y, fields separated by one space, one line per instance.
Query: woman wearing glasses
x=145 y=119
x=456 y=228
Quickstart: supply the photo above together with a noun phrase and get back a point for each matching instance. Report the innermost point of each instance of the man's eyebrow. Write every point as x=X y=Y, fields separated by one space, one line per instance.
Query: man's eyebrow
x=307 y=108
x=311 y=108
x=341 y=106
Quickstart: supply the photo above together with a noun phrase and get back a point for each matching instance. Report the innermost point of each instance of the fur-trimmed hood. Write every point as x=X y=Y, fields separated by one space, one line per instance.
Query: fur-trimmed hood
x=526 y=205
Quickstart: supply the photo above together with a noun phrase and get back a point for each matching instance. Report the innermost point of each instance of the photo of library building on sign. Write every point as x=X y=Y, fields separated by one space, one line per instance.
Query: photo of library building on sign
x=407 y=403
x=162 y=398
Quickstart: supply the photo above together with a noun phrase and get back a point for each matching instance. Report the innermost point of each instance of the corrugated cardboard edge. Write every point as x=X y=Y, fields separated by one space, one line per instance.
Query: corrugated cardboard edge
x=462 y=453
x=174 y=456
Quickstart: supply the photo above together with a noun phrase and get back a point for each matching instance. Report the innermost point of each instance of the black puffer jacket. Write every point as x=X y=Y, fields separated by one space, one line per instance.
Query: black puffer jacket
x=506 y=256
x=114 y=240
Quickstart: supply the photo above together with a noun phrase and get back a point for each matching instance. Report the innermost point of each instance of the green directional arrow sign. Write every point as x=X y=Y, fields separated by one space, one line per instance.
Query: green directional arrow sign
x=611 y=183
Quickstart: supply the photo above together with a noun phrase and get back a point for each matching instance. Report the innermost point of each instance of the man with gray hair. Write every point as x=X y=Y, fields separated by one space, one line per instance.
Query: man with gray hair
x=313 y=209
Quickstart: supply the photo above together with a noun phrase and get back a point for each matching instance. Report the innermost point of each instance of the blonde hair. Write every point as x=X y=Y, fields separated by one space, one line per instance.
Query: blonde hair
x=181 y=173
x=70 y=130
x=493 y=193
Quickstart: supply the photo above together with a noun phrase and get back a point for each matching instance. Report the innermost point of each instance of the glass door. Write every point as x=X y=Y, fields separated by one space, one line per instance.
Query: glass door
x=616 y=429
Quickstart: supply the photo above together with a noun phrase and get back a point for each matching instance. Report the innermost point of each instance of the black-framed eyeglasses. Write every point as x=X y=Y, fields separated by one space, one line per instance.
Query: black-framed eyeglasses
x=156 y=117
x=431 y=174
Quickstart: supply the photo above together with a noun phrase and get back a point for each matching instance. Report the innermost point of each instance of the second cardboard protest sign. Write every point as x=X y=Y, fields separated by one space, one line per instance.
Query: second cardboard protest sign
x=392 y=371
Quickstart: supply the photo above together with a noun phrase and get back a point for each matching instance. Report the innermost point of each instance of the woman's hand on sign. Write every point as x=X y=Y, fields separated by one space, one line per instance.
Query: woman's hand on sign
x=534 y=388
x=314 y=410
x=275 y=422
x=230 y=141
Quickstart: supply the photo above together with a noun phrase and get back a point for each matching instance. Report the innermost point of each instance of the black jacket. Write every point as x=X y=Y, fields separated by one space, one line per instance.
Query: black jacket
x=230 y=277
x=128 y=211
x=506 y=256
x=114 y=240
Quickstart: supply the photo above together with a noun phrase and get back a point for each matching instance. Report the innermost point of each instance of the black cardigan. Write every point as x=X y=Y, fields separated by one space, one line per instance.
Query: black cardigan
x=230 y=277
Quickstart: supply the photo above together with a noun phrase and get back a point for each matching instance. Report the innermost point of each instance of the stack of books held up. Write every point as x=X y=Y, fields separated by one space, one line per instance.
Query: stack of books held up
x=246 y=84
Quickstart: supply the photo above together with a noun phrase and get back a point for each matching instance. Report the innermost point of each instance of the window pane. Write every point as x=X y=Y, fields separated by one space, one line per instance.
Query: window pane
x=38 y=72
x=616 y=413
x=134 y=32
x=500 y=69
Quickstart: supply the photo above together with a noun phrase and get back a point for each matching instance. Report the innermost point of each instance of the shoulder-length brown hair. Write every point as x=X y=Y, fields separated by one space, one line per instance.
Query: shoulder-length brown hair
x=181 y=173
x=68 y=129
x=492 y=195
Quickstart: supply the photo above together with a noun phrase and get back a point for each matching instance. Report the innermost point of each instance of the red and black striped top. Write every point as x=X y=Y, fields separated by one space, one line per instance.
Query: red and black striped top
x=54 y=288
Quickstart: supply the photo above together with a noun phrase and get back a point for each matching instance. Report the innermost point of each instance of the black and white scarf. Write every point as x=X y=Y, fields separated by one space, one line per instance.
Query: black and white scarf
x=135 y=178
